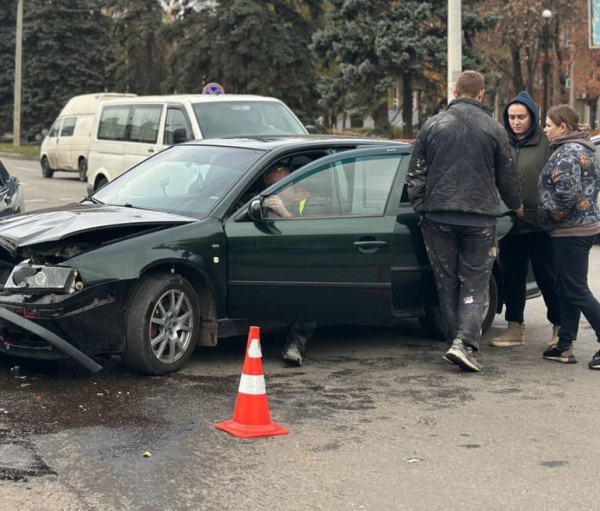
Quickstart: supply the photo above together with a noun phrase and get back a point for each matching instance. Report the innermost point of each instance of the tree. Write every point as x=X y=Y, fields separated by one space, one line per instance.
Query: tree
x=8 y=13
x=514 y=45
x=368 y=45
x=63 y=55
x=139 y=50
x=250 y=47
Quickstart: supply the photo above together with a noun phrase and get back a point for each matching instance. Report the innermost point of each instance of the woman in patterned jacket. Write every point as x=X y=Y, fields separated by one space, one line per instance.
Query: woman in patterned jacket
x=568 y=209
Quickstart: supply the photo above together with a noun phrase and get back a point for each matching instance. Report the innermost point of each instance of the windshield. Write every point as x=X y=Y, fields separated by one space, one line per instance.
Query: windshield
x=185 y=179
x=246 y=118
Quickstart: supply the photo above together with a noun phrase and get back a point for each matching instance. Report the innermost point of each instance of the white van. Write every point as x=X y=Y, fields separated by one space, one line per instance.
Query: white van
x=127 y=131
x=65 y=148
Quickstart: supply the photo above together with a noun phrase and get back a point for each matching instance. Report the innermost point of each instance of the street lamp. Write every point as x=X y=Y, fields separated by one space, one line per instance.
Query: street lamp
x=546 y=15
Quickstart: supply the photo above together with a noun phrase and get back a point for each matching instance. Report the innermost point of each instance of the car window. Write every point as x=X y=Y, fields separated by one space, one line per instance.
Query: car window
x=113 y=123
x=143 y=125
x=176 y=119
x=239 y=118
x=348 y=187
x=184 y=179
x=68 y=126
x=54 y=129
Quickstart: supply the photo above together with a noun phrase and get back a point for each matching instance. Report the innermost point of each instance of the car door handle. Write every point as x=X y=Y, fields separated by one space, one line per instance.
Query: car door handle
x=369 y=246
x=150 y=150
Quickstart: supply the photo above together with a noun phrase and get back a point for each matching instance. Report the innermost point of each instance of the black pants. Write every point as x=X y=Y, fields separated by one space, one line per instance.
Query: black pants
x=462 y=258
x=516 y=250
x=572 y=260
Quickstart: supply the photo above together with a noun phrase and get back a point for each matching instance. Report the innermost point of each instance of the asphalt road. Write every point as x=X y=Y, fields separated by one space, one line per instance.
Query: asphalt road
x=41 y=193
x=377 y=420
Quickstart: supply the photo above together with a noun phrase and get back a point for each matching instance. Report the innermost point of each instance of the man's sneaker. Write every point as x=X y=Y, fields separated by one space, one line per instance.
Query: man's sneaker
x=565 y=355
x=595 y=362
x=462 y=356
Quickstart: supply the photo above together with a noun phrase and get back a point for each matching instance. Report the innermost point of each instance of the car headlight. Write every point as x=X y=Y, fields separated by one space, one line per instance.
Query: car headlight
x=34 y=277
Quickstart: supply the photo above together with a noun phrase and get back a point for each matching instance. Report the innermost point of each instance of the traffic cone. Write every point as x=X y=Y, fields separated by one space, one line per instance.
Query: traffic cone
x=251 y=418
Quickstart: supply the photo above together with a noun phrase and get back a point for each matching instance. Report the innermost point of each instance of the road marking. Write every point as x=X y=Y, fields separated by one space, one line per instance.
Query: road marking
x=36 y=200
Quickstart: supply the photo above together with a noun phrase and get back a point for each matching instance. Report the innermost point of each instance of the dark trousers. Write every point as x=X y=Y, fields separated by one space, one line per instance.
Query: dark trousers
x=462 y=258
x=516 y=250
x=572 y=260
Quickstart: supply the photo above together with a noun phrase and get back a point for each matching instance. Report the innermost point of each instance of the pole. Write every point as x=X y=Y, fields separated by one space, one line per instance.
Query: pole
x=454 y=45
x=17 y=91
x=572 y=80
x=545 y=70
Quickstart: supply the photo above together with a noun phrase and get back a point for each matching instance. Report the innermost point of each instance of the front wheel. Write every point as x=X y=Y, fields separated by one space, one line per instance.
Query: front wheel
x=47 y=172
x=162 y=323
x=433 y=323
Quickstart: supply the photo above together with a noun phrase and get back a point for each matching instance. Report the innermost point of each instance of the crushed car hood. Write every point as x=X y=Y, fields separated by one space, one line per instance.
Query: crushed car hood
x=60 y=223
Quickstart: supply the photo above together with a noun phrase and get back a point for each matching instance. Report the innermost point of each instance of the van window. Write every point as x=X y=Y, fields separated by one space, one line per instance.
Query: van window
x=54 y=129
x=113 y=123
x=239 y=118
x=176 y=119
x=68 y=126
x=143 y=126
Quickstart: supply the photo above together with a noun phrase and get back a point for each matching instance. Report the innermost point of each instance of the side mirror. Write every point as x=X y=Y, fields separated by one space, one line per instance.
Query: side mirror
x=312 y=130
x=180 y=135
x=255 y=210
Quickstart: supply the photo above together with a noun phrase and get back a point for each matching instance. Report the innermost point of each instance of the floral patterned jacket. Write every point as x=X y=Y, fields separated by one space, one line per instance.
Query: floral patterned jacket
x=569 y=184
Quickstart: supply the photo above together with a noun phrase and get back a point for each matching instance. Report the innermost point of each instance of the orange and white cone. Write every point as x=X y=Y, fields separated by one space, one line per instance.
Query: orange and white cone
x=251 y=418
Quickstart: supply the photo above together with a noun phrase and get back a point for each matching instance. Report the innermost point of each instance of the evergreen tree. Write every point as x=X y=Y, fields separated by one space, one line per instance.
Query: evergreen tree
x=8 y=14
x=139 y=50
x=64 y=54
x=366 y=46
x=250 y=47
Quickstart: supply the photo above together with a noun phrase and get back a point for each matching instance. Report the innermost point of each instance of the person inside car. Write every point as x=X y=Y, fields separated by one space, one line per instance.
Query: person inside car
x=290 y=201
x=287 y=204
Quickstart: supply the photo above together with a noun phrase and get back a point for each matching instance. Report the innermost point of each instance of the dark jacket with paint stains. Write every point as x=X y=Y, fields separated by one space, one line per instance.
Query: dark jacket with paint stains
x=461 y=161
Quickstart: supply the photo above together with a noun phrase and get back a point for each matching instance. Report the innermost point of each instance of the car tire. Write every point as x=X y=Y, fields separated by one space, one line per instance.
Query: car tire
x=82 y=169
x=102 y=182
x=161 y=305
x=47 y=172
x=433 y=323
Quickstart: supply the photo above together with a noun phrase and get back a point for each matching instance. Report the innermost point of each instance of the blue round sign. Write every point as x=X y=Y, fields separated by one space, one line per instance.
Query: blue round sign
x=213 y=88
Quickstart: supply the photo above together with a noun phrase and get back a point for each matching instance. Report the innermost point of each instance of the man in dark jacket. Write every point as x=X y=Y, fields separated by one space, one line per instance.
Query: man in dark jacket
x=460 y=162
x=526 y=241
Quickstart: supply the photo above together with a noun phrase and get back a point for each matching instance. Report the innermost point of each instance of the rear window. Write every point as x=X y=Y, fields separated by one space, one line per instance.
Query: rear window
x=241 y=118
x=132 y=123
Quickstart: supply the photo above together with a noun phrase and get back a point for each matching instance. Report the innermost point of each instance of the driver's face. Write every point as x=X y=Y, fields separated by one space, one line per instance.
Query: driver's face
x=272 y=176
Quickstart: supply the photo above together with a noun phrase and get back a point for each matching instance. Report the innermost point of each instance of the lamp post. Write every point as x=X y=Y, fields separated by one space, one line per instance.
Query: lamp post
x=546 y=15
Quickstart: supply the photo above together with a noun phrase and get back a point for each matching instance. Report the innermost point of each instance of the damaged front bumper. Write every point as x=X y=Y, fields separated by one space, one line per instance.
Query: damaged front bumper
x=51 y=338
x=88 y=321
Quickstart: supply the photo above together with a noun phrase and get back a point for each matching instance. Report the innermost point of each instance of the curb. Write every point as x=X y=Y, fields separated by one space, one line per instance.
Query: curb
x=18 y=156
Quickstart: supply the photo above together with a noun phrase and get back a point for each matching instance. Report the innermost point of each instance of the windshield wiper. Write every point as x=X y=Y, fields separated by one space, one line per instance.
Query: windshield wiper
x=92 y=199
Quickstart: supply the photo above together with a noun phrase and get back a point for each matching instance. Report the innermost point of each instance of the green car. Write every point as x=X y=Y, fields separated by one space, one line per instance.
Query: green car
x=187 y=246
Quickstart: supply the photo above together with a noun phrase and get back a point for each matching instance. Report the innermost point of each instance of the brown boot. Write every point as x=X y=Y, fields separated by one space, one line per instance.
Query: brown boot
x=555 y=329
x=514 y=336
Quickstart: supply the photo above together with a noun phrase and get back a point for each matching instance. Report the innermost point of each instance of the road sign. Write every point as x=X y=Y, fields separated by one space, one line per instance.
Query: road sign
x=213 y=88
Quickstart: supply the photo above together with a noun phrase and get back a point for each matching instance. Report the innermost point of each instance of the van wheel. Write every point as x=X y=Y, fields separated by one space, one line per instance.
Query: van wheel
x=46 y=170
x=100 y=183
x=82 y=169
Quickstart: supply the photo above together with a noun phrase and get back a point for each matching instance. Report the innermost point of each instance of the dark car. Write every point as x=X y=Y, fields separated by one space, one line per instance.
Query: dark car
x=172 y=252
x=11 y=194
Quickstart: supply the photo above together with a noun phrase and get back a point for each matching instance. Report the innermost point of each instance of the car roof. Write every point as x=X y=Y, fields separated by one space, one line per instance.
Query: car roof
x=274 y=142
x=193 y=98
